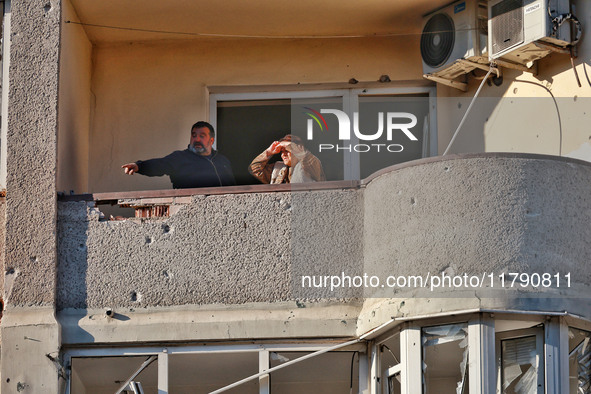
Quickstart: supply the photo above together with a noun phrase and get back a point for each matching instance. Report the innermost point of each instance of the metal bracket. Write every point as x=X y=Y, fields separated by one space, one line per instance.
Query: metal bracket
x=484 y=67
x=533 y=69
x=553 y=48
x=454 y=84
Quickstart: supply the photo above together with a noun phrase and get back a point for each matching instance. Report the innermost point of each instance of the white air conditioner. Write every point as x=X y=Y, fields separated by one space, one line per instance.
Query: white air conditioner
x=516 y=25
x=453 y=37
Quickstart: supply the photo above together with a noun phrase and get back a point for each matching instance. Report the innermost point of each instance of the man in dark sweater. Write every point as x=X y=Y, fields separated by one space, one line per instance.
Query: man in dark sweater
x=197 y=166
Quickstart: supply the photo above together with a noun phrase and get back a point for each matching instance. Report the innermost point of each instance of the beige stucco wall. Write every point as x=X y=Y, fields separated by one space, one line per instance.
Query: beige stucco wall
x=74 y=105
x=148 y=95
x=522 y=116
x=144 y=96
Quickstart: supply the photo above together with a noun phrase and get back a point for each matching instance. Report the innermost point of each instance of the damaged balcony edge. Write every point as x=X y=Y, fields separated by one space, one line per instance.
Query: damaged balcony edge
x=115 y=197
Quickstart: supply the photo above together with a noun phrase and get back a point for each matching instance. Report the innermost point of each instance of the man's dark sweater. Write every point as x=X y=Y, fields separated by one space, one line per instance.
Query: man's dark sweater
x=187 y=169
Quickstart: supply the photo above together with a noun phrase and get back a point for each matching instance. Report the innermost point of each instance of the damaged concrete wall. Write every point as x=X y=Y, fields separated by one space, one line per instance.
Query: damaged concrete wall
x=228 y=249
x=486 y=214
x=28 y=324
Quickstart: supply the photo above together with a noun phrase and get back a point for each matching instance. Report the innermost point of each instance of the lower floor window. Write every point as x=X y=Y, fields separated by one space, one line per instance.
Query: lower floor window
x=445 y=359
x=579 y=361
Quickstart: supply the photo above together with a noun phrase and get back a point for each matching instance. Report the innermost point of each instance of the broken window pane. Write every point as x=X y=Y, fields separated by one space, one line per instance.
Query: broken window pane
x=579 y=347
x=394 y=386
x=519 y=365
x=328 y=373
x=107 y=374
x=445 y=359
x=390 y=364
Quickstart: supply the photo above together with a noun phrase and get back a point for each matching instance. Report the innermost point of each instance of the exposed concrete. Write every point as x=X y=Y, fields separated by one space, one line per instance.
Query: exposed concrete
x=30 y=352
x=260 y=321
x=31 y=204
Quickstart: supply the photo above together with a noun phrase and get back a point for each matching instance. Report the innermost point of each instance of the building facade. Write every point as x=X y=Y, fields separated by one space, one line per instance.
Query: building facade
x=452 y=263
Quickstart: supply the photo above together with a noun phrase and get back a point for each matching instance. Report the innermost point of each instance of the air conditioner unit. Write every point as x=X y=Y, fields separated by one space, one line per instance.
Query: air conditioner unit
x=453 y=37
x=516 y=25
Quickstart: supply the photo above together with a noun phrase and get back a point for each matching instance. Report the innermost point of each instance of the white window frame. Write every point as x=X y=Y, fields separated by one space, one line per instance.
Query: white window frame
x=163 y=354
x=350 y=98
x=539 y=333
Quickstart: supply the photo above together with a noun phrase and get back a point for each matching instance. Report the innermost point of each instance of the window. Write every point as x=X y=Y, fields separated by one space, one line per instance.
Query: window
x=445 y=359
x=390 y=365
x=579 y=361
x=333 y=372
x=247 y=123
x=206 y=368
x=520 y=356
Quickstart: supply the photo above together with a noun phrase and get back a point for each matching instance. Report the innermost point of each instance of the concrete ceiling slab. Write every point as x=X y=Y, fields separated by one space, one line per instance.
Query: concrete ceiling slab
x=157 y=20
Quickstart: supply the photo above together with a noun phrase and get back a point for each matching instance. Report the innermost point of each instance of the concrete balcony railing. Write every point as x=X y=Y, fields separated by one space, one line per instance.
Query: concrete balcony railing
x=482 y=215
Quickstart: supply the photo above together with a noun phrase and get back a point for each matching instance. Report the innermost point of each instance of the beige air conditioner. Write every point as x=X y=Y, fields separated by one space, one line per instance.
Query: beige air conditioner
x=454 y=38
x=518 y=29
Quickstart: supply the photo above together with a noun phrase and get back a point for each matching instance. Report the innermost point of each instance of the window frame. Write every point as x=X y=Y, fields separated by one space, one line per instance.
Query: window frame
x=350 y=99
x=162 y=354
x=539 y=334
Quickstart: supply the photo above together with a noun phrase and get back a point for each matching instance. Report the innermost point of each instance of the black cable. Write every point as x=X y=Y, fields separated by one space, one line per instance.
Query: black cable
x=557 y=111
x=586 y=75
x=351 y=382
x=220 y=35
x=572 y=63
x=393 y=356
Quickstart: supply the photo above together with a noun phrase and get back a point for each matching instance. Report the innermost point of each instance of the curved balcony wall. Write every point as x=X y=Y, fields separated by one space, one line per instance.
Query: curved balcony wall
x=485 y=216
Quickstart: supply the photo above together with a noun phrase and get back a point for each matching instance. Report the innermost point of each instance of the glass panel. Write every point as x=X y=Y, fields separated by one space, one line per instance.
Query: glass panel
x=519 y=358
x=100 y=375
x=329 y=373
x=400 y=148
x=394 y=386
x=579 y=347
x=390 y=357
x=246 y=128
x=201 y=373
x=324 y=141
x=445 y=359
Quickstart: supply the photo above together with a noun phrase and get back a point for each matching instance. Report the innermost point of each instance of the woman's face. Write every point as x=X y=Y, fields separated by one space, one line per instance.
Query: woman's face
x=286 y=157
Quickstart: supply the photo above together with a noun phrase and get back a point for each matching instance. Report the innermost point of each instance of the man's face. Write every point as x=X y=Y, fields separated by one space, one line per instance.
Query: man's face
x=201 y=141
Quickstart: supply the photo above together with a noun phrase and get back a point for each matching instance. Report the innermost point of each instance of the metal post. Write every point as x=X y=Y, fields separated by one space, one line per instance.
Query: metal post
x=163 y=372
x=264 y=380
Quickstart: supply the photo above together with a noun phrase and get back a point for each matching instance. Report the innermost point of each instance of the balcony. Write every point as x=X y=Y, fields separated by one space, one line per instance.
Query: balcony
x=232 y=250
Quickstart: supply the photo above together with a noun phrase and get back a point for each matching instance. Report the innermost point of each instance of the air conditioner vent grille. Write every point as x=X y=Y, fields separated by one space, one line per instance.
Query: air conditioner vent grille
x=437 y=40
x=506 y=25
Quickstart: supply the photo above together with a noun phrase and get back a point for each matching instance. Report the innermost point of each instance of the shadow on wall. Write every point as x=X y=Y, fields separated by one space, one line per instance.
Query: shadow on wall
x=72 y=231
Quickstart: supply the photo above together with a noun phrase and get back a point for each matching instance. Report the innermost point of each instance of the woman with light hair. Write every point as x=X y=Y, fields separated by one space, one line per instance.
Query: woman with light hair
x=297 y=164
